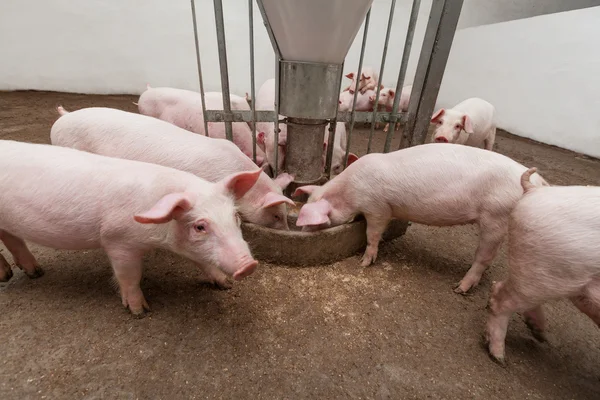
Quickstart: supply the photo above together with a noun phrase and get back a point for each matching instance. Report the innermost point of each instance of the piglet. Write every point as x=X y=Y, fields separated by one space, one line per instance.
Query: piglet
x=386 y=101
x=432 y=184
x=363 y=102
x=474 y=116
x=69 y=199
x=553 y=252
x=183 y=108
x=121 y=134
x=339 y=149
x=265 y=100
x=369 y=80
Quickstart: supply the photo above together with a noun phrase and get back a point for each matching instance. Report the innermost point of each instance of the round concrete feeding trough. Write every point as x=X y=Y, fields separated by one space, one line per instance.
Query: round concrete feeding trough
x=298 y=248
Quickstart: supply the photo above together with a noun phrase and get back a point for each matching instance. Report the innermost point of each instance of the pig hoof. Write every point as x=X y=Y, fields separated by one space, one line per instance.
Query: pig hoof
x=139 y=313
x=461 y=291
x=6 y=275
x=37 y=272
x=500 y=360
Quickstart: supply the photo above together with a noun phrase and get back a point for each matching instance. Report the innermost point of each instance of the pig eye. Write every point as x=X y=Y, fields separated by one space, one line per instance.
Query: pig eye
x=457 y=126
x=200 y=227
x=277 y=217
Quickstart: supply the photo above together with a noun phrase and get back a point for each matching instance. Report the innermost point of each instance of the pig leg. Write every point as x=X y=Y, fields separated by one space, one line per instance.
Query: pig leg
x=375 y=227
x=589 y=302
x=218 y=278
x=21 y=254
x=5 y=270
x=127 y=266
x=386 y=127
x=503 y=302
x=488 y=143
x=491 y=234
x=536 y=322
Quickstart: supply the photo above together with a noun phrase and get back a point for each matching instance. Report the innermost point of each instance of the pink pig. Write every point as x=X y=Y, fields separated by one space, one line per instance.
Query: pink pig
x=386 y=101
x=265 y=100
x=553 y=251
x=121 y=134
x=476 y=117
x=339 y=149
x=69 y=199
x=183 y=108
x=432 y=184
x=363 y=102
x=368 y=80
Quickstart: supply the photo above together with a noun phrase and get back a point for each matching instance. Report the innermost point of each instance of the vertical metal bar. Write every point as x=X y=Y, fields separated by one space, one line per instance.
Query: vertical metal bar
x=360 y=63
x=383 y=57
x=410 y=33
x=223 y=64
x=276 y=122
x=430 y=69
x=251 y=34
x=199 y=67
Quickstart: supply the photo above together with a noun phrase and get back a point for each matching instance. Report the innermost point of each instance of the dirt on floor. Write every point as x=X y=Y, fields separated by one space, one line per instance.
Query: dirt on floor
x=394 y=330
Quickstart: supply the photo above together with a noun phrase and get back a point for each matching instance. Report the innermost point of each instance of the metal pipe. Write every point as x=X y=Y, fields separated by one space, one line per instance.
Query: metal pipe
x=437 y=42
x=383 y=57
x=220 y=25
x=410 y=32
x=199 y=66
x=330 y=144
x=276 y=122
x=261 y=7
x=360 y=63
x=251 y=33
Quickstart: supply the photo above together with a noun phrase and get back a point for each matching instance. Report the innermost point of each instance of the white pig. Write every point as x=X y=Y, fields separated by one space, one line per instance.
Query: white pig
x=432 y=184
x=183 y=108
x=69 y=199
x=117 y=133
x=474 y=116
x=386 y=101
x=339 y=149
x=265 y=100
x=368 y=80
x=363 y=102
x=553 y=251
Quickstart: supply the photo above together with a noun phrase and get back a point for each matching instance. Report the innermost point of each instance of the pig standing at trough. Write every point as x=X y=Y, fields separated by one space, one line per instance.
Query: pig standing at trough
x=553 y=253
x=121 y=134
x=183 y=108
x=69 y=199
x=432 y=184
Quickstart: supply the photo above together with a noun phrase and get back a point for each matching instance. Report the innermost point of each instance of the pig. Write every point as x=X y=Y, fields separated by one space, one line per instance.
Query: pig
x=474 y=116
x=69 y=199
x=553 y=253
x=183 y=108
x=386 y=101
x=432 y=184
x=265 y=100
x=121 y=134
x=339 y=149
x=363 y=102
x=369 y=79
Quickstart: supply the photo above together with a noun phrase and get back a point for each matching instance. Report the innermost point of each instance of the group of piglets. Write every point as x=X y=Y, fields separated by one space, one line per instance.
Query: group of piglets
x=471 y=122
x=128 y=183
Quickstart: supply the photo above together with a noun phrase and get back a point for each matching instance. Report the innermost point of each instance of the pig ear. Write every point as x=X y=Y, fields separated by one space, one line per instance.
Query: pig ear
x=363 y=76
x=238 y=184
x=350 y=75
x=274 y=199
x=283 y=180
x=372 y=99
x=308 y=189
x=392 y=92
x=467 y=125
x=352 y=158
x=260 y=138
x=316 y=213
x=169 y=207
x=436 y=117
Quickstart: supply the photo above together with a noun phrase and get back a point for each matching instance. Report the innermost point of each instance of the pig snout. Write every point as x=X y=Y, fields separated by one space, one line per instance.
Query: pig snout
x=441 y=139
x=248 y=265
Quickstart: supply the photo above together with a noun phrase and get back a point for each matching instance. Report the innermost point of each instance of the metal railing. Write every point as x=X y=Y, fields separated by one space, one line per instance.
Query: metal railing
x=439 y=35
